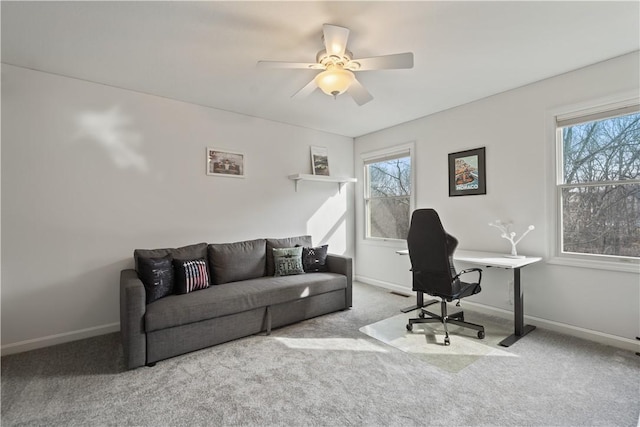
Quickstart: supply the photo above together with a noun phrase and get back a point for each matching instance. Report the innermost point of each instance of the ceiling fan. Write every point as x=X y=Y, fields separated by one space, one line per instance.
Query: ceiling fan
x=338 y=66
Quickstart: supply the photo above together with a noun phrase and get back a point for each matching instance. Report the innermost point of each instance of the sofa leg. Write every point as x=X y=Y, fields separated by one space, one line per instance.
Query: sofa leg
x=268 y=319
x=151 y=365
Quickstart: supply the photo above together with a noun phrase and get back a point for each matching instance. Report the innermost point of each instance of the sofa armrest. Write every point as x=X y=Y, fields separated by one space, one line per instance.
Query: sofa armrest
x=132 y=309
x=342 y=265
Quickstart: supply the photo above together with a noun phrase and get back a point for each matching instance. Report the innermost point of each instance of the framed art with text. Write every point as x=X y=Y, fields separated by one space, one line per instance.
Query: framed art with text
x=467 y=173
x=222 y=162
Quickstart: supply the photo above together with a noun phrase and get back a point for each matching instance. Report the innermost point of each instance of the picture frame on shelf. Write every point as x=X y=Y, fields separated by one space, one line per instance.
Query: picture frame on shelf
x=320 y=160
x=467 y=173
x=223 y=162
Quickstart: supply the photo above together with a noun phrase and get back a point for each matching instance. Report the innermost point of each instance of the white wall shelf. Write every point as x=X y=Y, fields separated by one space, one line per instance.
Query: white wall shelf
x=340 y=180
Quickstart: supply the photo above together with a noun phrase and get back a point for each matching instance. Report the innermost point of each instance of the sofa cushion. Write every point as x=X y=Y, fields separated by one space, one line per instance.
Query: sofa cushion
x=288 y=242
x=157 y=277
x=236 y=297
x=232 y=262
x=287 y=261
x=196 y=251
x=190 y=275
x=315 y=259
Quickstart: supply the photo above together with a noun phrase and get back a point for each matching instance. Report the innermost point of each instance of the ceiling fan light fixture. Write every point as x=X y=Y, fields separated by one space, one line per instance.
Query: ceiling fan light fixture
x=337 y=66
x=334 y=81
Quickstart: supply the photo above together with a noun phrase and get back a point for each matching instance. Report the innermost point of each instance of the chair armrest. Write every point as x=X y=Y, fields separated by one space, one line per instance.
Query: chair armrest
x=132 y=309
x=342 y=265
x=470 y=270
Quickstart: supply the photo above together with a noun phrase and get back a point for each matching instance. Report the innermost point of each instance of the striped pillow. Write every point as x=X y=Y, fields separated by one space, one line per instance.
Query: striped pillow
x=190 y=275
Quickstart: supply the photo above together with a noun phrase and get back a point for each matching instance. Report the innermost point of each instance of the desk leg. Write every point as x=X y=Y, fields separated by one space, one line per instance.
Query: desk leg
x=419 y=303
x=520 y=329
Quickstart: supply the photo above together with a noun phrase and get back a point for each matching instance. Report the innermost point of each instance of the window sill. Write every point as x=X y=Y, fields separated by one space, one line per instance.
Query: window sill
x=621 y=266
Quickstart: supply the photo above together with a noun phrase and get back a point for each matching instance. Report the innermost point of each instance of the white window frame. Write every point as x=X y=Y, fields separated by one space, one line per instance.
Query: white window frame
x=591 y=111
x=401 y=150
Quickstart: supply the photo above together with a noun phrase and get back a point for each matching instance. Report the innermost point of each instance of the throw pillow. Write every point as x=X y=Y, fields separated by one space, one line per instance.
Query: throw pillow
x=287 y=261
x=287 y=242
x=315 y=259
x=190 y=275
x=157 y=277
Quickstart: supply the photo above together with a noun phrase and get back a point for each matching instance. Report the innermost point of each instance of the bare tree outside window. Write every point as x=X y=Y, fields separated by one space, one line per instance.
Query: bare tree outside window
x=388 y=203
x=600 y=188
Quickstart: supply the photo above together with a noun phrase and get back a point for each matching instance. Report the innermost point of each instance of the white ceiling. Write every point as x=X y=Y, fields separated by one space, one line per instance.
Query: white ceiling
x=206 y=52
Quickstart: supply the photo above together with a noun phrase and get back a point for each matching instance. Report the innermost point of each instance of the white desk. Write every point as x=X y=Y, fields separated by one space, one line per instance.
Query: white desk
x=488 y=260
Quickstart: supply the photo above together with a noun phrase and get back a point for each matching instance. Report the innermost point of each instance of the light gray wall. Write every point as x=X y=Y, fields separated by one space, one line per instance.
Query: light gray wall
x=91 y=172
x=514 y=128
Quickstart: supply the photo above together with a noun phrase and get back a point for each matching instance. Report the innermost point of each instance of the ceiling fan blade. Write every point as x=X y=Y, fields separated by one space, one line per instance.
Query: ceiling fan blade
x=280 y=64
x=359 y=93
x=335 y=39
x=386 y=62
x=307 y=90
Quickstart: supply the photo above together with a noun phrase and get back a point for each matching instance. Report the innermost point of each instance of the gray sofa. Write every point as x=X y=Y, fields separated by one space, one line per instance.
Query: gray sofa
x=244 y=298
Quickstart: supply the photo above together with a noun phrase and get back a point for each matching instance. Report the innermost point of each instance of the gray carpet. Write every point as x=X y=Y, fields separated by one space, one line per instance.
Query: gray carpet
x=324 y=372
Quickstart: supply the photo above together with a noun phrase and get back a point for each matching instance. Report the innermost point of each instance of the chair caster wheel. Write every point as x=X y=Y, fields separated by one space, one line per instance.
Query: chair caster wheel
x=421 y=315
x=481 y=334
x=446 y=341
x=409 y=327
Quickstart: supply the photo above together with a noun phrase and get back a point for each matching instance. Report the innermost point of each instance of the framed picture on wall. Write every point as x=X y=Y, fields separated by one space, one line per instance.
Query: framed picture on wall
x=221 y=162
x=467 y=173
x=320 y=160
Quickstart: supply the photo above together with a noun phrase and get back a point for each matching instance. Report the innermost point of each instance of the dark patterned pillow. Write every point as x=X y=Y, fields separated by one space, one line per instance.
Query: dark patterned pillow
x=315 y=259
x=157 y=277
x=287 y=261
x=190 y=275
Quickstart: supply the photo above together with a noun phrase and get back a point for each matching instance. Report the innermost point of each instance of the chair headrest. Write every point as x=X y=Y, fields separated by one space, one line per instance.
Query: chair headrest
x=429 y=244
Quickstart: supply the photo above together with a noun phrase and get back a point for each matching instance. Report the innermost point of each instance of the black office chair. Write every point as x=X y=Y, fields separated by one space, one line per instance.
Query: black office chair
x=431 y=252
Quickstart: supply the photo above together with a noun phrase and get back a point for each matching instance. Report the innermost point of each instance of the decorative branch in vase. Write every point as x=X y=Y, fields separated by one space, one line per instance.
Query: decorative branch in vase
x=505 y=227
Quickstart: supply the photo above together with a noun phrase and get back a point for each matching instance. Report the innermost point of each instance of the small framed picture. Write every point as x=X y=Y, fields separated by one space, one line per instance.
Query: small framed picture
x=223 y=162
x=467 y=174
x=320 y=160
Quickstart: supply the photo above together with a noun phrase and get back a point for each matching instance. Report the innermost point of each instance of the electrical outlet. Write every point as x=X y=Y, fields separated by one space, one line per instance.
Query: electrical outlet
x=510 y=296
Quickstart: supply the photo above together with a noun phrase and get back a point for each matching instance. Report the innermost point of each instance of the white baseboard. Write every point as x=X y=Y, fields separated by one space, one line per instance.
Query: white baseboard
x=588 y=334
x=386 y=285
x=50 y=340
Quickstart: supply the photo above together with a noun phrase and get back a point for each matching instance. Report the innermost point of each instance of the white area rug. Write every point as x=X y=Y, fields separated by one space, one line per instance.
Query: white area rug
x=426 y=341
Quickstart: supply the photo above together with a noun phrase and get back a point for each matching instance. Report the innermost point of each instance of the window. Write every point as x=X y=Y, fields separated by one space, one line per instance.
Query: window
x=387 y=193
x=598 y=183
